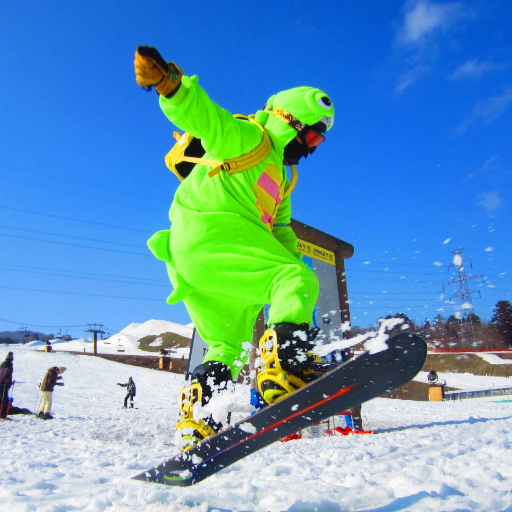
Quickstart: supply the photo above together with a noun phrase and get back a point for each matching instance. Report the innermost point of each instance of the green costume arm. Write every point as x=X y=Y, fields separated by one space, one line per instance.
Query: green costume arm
x=222 y=135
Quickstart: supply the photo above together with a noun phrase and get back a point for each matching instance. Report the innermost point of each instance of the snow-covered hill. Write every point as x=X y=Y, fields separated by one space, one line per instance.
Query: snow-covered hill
x=126 y=341
x=136 y=331
x=423 y=457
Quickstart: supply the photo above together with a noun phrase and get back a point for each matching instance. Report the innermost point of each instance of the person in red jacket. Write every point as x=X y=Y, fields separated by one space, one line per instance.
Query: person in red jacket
x=51 y=379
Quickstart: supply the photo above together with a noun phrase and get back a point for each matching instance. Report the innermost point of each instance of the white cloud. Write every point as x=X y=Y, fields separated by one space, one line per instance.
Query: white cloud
x=416 y=38
x=488 y=110
x=475 y=69
x=424 y=18
x=491 y=201
x=494 y=168
x=410 y=77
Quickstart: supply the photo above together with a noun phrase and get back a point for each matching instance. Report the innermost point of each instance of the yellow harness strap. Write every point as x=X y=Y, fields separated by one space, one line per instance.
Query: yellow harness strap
x=248 y=160
x=177 y=155
x=232 y=165
x=292 y=183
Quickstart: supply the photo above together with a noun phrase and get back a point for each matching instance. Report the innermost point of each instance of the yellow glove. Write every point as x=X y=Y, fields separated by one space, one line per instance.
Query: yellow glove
x=151 y=70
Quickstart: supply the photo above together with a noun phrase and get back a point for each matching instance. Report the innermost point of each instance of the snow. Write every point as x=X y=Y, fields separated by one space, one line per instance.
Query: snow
x=126 y=340
x=494 y=359
x=155 y=327
x=468 y=382
x=424 y=456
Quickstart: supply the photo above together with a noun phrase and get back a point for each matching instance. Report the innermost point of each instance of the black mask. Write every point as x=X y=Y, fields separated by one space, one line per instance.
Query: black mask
x=294 y=151
x=298 y=147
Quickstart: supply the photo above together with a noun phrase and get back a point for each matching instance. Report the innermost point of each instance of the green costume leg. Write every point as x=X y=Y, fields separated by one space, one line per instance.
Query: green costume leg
x=234 y=267
x=228 y=331
x=226 y=268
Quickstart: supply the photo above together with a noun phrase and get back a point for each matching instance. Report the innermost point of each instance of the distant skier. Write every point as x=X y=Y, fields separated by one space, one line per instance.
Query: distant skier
x=50 y=380
x=6 y=381
x=231 y=248
x=132 y=391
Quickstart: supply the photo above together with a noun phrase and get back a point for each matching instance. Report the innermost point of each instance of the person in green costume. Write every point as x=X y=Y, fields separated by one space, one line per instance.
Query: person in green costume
x=231 y=249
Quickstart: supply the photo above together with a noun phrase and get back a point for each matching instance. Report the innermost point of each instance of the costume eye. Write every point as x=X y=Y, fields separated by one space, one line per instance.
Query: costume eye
x=325 y=102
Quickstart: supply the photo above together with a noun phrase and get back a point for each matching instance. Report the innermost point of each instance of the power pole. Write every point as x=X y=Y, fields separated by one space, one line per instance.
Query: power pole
x=463 y=292
x=95 y=329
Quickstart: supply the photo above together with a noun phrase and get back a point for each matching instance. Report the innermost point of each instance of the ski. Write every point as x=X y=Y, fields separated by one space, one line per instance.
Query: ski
x=354 y=382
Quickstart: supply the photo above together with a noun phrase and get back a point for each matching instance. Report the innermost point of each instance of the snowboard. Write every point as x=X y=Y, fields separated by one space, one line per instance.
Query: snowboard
x=349 y=384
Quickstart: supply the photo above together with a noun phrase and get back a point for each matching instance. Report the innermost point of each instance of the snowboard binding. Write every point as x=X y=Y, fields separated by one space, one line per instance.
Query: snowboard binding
x=189 y=431
x=207 y=378
x=287 y=362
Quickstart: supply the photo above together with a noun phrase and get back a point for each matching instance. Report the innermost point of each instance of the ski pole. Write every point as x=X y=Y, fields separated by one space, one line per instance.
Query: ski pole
x=38 y=397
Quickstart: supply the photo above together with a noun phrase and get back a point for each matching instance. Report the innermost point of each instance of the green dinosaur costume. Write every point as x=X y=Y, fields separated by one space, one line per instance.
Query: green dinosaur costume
x=231 y=249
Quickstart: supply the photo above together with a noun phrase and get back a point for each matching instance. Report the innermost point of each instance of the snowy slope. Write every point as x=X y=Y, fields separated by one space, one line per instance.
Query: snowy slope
x=136 y=331
x=424 y=456
x=126 y=340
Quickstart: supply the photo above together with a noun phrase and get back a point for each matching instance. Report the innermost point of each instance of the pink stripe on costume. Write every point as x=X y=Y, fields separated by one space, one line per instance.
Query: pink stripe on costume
x=270 y=187
x=266 y=218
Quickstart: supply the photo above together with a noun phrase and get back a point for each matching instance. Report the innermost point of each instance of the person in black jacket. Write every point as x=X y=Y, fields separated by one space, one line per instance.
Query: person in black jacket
x=132 y=391
x=6 y=373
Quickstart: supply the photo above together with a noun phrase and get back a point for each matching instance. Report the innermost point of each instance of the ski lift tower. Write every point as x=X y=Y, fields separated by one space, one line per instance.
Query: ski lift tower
x=95 y=329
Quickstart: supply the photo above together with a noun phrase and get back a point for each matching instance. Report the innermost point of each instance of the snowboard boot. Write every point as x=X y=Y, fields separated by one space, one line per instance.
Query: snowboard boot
x=287 y=361
x=207 y=379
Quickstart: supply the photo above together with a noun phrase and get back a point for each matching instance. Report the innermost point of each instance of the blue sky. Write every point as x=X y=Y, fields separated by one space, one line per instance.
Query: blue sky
x=417 y=165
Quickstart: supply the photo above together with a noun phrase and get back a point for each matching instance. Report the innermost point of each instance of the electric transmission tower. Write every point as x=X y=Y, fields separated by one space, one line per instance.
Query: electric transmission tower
x=463 y=292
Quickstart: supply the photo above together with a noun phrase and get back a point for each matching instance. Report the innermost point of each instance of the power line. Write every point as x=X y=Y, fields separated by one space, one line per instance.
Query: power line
x=69 y=236
x=45 y=326
x=79 y=294
x=372 y=262
x=75 y=245
x=390 y=293
x=373 y=299
x=82 y=272
x=80 y=194
x=84 y=277
x=396 y=272
x=353 y=278
x=82 y=183
x=104 y=224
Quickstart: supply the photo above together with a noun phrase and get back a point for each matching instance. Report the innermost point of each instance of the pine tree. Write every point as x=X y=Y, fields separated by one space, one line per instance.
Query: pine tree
x=502 y=320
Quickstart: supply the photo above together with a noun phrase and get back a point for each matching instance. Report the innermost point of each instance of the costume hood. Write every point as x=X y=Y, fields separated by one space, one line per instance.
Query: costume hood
x=307 y=104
